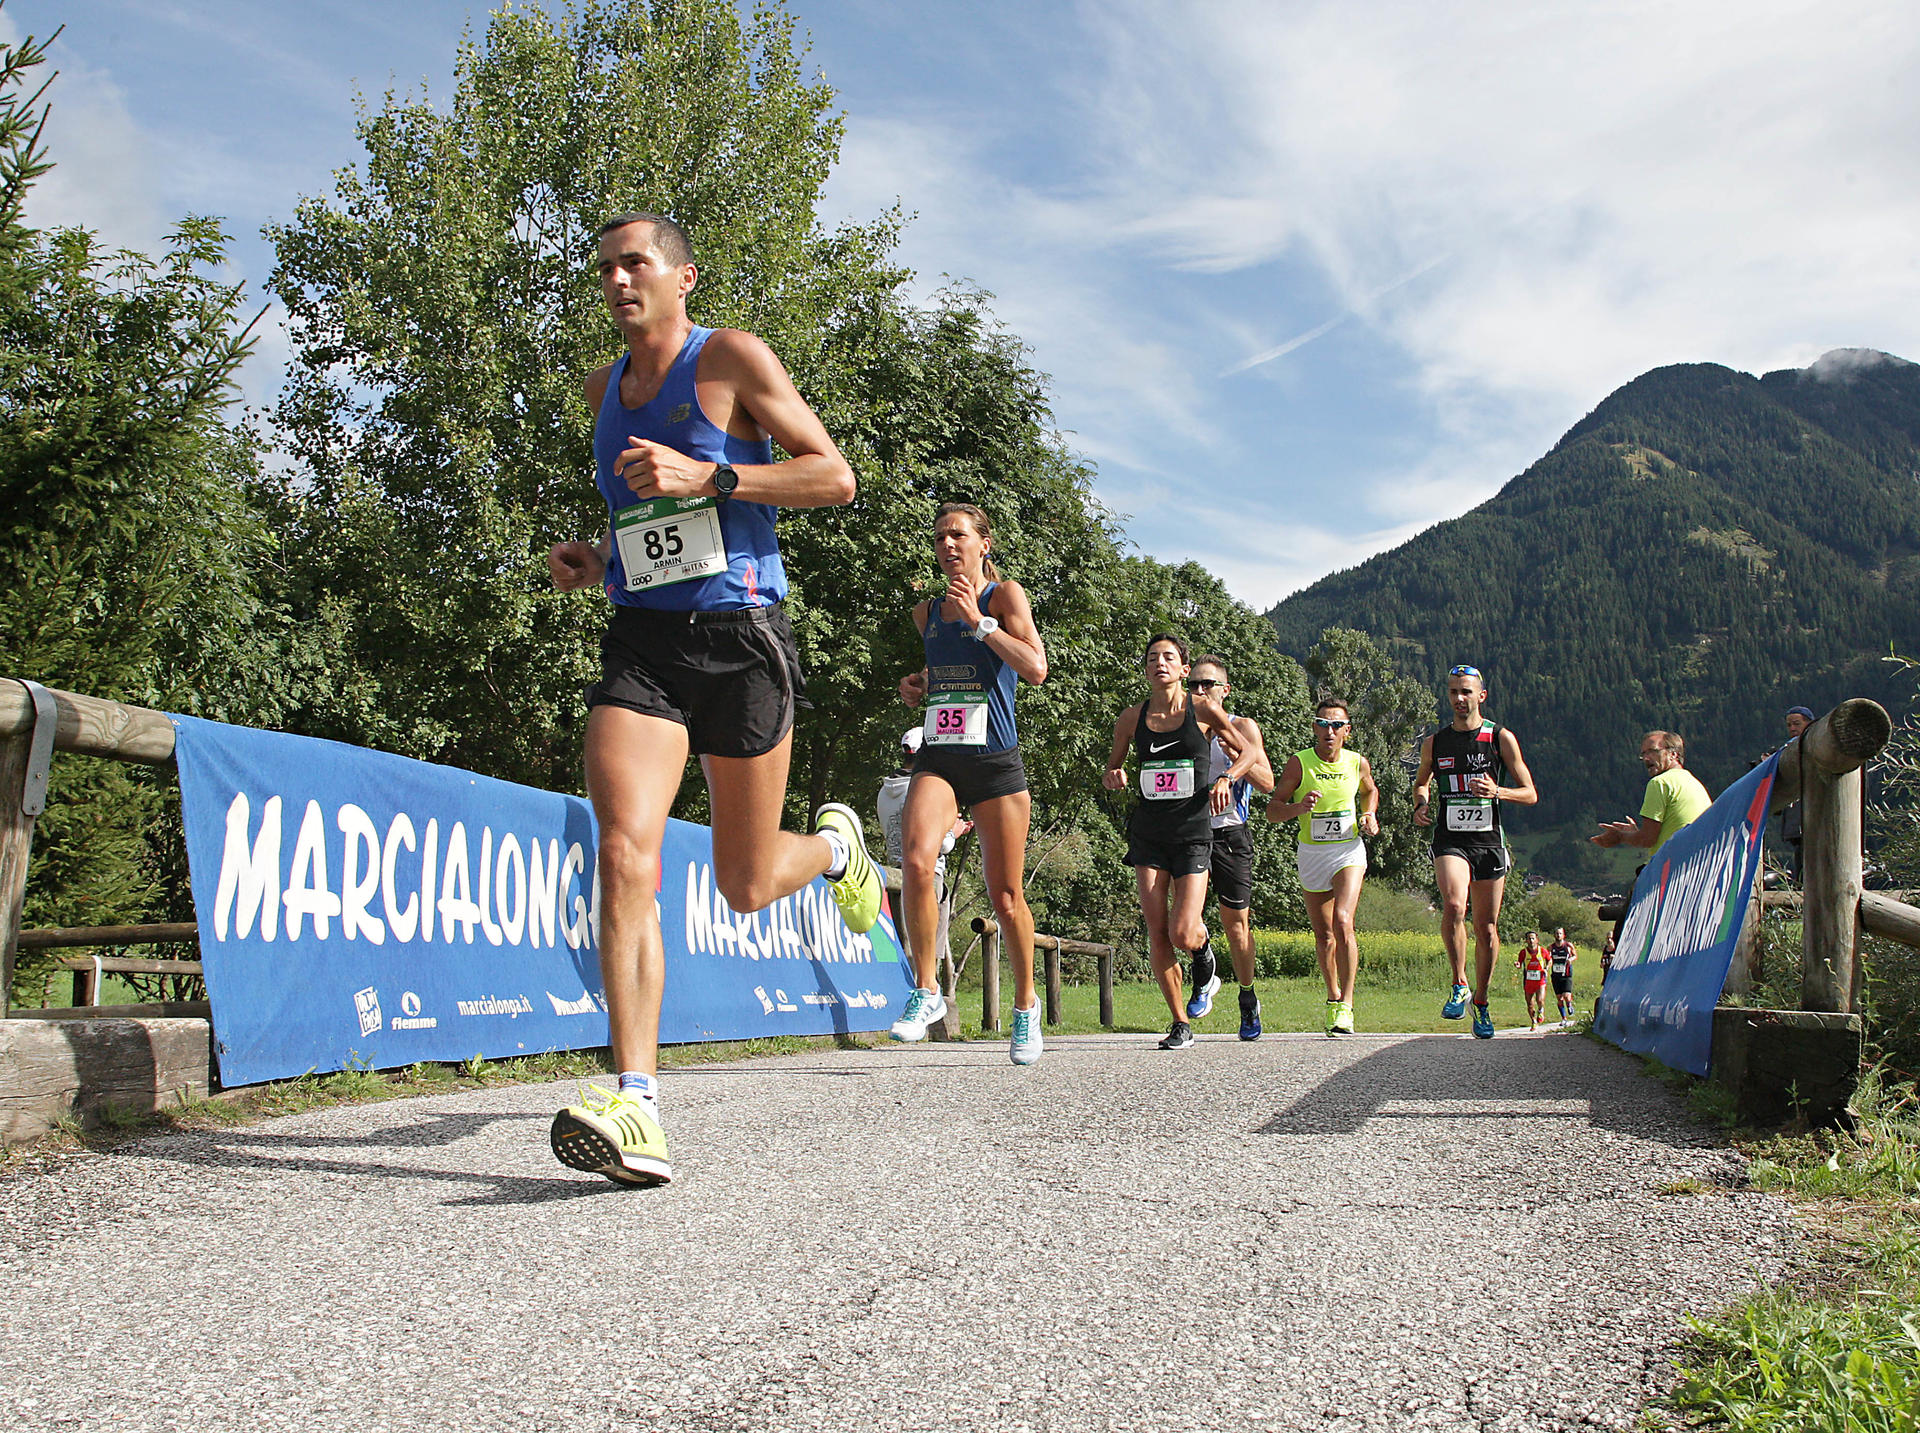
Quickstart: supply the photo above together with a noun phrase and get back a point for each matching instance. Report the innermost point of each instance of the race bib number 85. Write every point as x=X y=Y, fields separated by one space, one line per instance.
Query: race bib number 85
x=668 y=540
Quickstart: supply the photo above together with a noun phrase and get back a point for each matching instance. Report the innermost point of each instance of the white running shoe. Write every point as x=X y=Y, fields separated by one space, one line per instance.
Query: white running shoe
x=1027 y=1040
x=923 y=1008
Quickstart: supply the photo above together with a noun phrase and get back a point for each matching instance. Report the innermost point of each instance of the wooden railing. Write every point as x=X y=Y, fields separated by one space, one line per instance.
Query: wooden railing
x=1050 y=948
x=86 y=726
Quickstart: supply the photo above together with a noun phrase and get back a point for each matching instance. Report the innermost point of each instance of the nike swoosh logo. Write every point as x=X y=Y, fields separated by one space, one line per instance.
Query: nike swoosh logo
x=1153 y=750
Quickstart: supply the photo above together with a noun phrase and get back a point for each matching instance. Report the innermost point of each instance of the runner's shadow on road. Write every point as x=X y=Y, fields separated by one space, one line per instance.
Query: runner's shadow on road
x=243 y=1149
x=1518 y=1079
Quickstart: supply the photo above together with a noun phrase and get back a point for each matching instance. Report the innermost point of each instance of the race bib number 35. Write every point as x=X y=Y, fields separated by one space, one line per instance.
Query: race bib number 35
x=956 y=719
x=1166 y=780
x=1330 y=826
x=1469 y=815
x=668 y=540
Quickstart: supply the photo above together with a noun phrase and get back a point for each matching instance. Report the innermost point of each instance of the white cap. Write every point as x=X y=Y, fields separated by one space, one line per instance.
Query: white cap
x=912 y=737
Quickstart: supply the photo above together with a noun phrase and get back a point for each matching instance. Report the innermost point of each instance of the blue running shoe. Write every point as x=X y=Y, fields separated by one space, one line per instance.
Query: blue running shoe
x=1249 y=1014
x=1482 y=1023
x=1456 y=1005
x=1206 y=981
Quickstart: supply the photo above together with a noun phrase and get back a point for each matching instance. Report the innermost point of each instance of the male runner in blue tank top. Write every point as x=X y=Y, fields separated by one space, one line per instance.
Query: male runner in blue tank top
x=698 y=655
x=1470 y=758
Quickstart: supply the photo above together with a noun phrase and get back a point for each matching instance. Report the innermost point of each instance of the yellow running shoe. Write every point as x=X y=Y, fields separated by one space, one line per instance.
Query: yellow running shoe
x=859 y=891
x=612 y=1134
x=1343 y=1019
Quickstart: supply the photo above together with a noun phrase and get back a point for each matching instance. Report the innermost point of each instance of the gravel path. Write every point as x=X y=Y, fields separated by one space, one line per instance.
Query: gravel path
x=1374 y=1233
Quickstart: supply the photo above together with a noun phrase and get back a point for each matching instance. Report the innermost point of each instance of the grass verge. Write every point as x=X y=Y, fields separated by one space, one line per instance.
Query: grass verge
x=1838 y=1346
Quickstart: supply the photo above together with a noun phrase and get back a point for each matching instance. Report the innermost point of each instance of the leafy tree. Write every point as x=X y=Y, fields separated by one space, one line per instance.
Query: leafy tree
x=444 y=314
x=126 y=544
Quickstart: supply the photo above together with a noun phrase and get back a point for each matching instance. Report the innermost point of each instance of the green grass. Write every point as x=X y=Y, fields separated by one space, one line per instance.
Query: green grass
x=1403 y=980
x=1839 y=1347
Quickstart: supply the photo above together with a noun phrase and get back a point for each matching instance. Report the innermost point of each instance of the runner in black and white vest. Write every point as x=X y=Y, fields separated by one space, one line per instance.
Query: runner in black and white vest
x=1170 y=831
x=1477 y=766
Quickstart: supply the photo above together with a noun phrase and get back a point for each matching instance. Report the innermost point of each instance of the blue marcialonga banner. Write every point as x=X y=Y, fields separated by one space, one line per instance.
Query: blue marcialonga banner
x=357 y=907
x=1688 y=906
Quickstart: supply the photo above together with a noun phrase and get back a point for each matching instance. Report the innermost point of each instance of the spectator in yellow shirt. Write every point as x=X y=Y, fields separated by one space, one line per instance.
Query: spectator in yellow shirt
x=1674 y=797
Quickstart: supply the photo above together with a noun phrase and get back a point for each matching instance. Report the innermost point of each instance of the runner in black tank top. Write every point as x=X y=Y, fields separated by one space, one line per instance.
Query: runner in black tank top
x=1477 y=766
x=1170 y=831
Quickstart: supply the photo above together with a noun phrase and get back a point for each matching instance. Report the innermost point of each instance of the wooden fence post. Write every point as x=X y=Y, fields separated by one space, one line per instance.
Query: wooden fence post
x=16 y=840
x=989 y=933
x=1833 y=868
x=1106 y=987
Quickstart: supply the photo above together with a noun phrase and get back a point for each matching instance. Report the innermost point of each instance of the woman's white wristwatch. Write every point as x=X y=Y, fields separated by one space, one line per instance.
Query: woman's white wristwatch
x=988 y=626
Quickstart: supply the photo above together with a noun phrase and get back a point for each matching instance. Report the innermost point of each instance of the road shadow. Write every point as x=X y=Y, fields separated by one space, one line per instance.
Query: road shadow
x=1498 y=1080
x=257 y=1149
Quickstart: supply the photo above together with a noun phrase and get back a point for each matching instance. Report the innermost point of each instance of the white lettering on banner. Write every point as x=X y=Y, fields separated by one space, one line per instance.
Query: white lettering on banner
x=429 y=873
x=357 y=890
x=511 y=925
x=307 y=891
x=400 y=919
x=488 y=926
x=524 y=893
x=579 y=933
x=456 y=889
x=1692 y=908
x=514 y=1006
x=801 y=926
x=251 y=876
x=543 y=887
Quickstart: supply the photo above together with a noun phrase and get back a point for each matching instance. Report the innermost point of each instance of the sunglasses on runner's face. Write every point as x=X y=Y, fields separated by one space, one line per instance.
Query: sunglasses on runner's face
x=1204 y=684
x=1463 y=671
x=1330 y=723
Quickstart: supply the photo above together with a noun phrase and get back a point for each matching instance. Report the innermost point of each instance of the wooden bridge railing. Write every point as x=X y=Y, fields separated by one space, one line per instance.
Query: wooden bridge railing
x=86 y=726
x=1050 y=949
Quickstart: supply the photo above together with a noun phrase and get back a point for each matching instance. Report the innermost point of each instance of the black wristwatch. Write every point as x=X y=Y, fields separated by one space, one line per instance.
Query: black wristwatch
x=725 y=480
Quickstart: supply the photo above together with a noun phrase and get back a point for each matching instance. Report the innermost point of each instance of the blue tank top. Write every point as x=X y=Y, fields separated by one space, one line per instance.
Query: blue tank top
x=957 y=663
x=753 y=575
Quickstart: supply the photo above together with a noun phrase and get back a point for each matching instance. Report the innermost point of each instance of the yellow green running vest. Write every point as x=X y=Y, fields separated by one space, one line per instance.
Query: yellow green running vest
x=1336 y=818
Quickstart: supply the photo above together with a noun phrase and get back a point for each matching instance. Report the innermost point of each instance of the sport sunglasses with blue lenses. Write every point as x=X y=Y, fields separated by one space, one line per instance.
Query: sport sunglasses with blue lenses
x=1330 y=724
x=1463 y=671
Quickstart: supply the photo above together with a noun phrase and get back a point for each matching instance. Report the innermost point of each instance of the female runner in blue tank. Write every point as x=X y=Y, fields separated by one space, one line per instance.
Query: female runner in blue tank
x=980 y=644
x=1170 y=833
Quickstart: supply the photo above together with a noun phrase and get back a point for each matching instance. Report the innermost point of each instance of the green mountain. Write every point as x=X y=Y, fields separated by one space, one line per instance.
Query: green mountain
x=1701 y=552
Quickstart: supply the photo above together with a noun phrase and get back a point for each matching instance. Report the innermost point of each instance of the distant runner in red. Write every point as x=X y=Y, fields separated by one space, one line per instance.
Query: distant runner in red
x=1533 y=961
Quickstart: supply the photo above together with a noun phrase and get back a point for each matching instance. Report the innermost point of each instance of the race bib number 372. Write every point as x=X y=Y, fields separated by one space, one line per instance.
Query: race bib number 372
x=668 y=540
x=1469 y=815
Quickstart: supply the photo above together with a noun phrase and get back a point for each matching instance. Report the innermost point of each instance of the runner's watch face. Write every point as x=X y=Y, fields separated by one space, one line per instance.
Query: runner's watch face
x=988 y=626
x=725 y=480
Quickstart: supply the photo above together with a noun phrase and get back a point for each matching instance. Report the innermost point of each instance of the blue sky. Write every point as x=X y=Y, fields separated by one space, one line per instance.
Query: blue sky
x=1308 y=277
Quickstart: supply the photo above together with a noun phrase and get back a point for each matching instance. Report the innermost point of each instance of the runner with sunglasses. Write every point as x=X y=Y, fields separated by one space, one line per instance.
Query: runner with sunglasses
x=1330 y=791
x=1233 y=780
x=1473 y=759
x=1170 y=832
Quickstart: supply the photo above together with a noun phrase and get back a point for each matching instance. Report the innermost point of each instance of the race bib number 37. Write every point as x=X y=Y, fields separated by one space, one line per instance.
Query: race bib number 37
x=1166 y=780
x=668 y=540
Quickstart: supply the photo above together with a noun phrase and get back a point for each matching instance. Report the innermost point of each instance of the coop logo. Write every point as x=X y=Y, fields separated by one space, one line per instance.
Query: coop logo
x=366 y=1004
x=585 y=1005
x=513 y=1006
x=777 y=1001
x=410 y=1017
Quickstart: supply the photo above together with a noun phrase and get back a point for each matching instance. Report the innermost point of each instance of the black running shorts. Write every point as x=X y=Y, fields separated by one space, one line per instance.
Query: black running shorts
x=1487 y=863
x=732 y=679
x=1562 y=984
x=975 y=776
x=1176 y=858
x=1233 y=865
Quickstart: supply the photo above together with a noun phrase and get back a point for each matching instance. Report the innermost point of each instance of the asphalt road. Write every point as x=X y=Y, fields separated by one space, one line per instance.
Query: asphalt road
x=1375 y=1233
